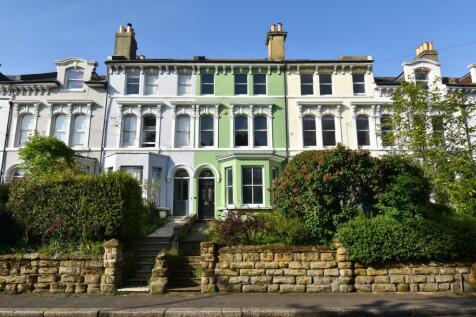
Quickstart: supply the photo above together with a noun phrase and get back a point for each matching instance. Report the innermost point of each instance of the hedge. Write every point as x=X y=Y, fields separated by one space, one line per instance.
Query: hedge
x=81 y=207
x=384 y=239
x=326 y=188
x=9 y=230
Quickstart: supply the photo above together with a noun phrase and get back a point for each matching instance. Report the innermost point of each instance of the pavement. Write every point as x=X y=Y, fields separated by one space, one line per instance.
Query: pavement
x=238 y=305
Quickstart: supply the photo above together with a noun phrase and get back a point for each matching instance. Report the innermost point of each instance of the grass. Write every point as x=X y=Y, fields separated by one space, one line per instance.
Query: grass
x=56 y=247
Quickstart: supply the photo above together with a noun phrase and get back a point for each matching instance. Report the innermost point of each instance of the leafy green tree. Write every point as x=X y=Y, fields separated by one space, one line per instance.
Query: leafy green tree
x=46 y=155
x=431 y=126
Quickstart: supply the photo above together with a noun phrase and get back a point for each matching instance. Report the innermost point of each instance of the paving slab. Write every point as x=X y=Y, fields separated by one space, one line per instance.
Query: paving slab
x=238 y=305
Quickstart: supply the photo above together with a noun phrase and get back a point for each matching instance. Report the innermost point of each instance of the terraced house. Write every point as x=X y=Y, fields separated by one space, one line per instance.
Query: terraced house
x=204 y=136
x=210 y=132
x=67 y=104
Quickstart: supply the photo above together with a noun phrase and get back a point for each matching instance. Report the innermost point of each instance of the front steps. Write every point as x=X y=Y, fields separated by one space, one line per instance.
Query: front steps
x=185 y=277
x=147 y=251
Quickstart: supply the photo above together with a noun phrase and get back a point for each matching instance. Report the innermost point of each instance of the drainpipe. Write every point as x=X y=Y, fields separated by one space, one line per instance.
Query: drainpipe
x=7 y=134
x=286 y=107
x=105 y=121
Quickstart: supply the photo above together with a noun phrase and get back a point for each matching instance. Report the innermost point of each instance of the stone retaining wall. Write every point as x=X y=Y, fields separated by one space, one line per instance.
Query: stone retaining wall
x=159 y=277
x=61 y=273
x=310 y=269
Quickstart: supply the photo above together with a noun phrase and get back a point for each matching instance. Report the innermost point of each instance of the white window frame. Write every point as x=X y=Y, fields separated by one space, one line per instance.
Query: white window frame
x=200 y=131
x=210 y=84
x=143 y=132
x=123 y=131
x=326 y=84
x=261 y=130
x=190 y=140
x=315 y=131
x=148 y=85
x=265 y=84
x=229 y=186
x=250 y=111
x=322 y=130
x=247 y=131
x=252 y=185
x=311 y=84
x=140 y=168
x=318 y=111
x=358 y=83
x=66 y=127
x=245 y=84
x=68 y=80
x=187 y=90
x=74 y=131
x=128 y=76
x=20 y=130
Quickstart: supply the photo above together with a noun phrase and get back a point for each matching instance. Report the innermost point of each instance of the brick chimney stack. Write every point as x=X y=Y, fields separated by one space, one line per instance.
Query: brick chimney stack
x=425 y=50
x=275 y=39
x=125 y=44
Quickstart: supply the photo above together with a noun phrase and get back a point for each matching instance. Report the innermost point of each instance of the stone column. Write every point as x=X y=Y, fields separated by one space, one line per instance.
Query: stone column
x=159 y=278
x=209 y=259
x=112 y=266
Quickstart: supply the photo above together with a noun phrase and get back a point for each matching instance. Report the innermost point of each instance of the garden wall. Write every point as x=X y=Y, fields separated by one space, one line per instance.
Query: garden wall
x=61 y=273
x=311 y=270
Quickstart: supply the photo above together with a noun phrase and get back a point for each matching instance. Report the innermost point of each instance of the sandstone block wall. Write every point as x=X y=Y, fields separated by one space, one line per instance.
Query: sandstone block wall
x=62 y=273
x=311 y=270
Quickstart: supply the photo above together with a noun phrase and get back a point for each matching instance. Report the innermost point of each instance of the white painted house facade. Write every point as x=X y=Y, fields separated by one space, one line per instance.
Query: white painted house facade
x=67 y=104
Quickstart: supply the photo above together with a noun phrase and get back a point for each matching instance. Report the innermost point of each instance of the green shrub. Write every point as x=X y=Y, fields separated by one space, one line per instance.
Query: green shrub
x=404 y=190
x=326 y=189
x=240 y=228
x=384 y=239
x=79 y=208
x=10 y=231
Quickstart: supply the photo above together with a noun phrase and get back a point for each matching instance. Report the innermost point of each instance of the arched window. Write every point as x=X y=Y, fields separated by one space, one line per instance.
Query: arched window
x=17 y=173
x=206 y=131
x=149 y=131
x=241 y=131
x=60 y=127
x=129 y=130
x=74 y=78
x=363 y=130
x=309 y=130
x=25 y=128
x=328 y=131
x=260 y=126
x=182 y=131
x=386 y=130
x=80 y=129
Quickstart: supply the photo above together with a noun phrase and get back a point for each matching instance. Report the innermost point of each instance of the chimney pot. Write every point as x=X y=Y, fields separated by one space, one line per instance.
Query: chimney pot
x=280 y=27
x=272 y=28
x=129 y=28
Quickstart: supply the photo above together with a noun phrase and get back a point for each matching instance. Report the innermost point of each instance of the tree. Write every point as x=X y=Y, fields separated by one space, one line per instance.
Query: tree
x=431 y=126
x=43 y=155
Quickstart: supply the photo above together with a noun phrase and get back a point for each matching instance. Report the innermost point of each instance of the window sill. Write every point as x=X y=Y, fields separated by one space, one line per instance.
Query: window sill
x=73 y=90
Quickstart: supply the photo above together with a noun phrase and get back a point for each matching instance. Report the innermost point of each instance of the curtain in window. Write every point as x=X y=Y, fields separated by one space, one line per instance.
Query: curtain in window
x=26 y=128
x=182 y=131
x=60 y=127
x=129 y=130
x=80 y=127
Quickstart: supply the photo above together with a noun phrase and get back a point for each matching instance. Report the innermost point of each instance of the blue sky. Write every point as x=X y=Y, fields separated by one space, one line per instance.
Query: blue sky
x=35 y=33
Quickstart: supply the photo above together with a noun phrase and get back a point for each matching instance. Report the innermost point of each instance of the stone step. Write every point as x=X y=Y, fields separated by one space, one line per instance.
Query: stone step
x=133 y=289
x=183 y=282
x=152 y=247
x=137 y=282
x=190 y=289
x=191 y=259
x=183 y=274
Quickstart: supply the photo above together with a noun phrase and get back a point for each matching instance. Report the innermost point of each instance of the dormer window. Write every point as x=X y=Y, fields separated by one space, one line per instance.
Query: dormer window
x=421 y=78
x=74 y=78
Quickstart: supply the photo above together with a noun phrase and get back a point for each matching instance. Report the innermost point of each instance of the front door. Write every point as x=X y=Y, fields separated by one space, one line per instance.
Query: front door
x=181 y=196
x=206 y=195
